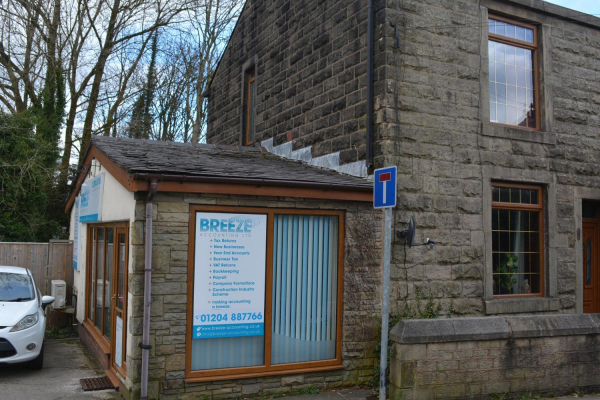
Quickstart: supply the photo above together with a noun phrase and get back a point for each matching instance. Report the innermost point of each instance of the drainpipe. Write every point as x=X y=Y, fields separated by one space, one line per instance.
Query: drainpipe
x=370 y=100
x=145 y=345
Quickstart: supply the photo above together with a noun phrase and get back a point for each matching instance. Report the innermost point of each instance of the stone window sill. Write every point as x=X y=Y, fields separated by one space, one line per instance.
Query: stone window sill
x=521 y=305
x=524 y=135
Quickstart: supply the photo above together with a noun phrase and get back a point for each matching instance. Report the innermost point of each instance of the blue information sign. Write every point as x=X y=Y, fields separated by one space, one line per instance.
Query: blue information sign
x=384 y=188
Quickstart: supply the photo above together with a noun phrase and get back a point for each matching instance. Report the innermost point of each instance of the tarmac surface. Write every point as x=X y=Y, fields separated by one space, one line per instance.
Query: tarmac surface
x=65 y=363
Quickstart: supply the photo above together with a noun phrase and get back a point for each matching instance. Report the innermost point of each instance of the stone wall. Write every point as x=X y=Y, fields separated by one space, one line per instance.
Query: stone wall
x=431 y=120
x=475 y=358
x=310 y=62
x=169 y=300
x=433 y=124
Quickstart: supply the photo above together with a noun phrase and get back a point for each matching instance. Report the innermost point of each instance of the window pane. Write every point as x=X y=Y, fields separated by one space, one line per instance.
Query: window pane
x=520 y=61
x=500 y=53
x=516 y=251
x=501 y=93
x=492 y=91
x=491 y=50
x=304 y=288
x=511 y=75
x=510 y=55
x=511 y=95
x=500 y=28
x=521 y=97
x=501 y=73
x=526 y=196
x=529 y=35
x=492 y=72
x=495 y=194
x=589 y=210
x=501 y=113
x=510 y=30
x=92 y=278
x=511 y=115
x=121 y=272
x=229 y=278
x=100 y=278
x=493 y=117
x=529 y=59
x=252 y=109
x=522 y=117
x=15 y=288
x=110 y=244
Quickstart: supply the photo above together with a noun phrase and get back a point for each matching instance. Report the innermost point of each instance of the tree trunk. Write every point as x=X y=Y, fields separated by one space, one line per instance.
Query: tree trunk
x=98 y=73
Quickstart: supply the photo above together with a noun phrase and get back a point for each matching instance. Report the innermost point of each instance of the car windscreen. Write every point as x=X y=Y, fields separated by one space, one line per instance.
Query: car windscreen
x=15 y=287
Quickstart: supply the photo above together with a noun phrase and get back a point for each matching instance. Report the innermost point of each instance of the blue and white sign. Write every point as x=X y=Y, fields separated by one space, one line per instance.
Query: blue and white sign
x=76 y=224
x=91 y=199
x=384 y=187
x=229 y=275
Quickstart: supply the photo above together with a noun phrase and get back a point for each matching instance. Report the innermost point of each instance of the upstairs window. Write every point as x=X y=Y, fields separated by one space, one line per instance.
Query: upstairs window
x=250 y=107
x=514 y=88
x=517 y=240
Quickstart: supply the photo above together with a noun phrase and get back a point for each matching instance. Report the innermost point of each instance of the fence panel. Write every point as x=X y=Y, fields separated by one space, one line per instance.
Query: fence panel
x=47 y=262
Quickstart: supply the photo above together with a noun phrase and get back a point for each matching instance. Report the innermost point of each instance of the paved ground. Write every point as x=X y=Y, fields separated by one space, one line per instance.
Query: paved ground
x=65 y=362
x=344 y=394
x=357 y=394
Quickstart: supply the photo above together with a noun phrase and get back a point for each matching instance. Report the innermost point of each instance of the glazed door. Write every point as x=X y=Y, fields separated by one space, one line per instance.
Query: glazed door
x=119 y=303
x=591 y=267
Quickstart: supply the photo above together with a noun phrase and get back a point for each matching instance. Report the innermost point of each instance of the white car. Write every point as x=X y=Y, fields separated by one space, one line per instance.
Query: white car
x=22 y=318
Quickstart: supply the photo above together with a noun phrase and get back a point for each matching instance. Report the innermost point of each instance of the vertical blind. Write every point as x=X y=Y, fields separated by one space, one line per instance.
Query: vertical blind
x=304 y=302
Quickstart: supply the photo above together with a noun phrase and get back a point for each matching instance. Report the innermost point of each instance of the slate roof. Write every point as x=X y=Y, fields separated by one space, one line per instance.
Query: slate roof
x=141 y=156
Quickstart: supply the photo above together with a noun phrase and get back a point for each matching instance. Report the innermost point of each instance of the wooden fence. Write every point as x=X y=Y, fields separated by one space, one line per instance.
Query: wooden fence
x=47 y=262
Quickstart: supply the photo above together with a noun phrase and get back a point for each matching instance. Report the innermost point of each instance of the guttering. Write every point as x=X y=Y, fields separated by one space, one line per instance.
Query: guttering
x=253 y=181
x=145 y=345
x=370 y=90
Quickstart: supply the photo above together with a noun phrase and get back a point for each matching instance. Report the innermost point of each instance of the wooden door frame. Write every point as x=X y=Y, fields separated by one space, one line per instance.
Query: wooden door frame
x=98 y=335
x=123 y=369
x=594 y=224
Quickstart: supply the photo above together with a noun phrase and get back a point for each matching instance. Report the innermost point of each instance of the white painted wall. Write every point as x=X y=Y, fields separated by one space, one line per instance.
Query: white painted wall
x=118 y=204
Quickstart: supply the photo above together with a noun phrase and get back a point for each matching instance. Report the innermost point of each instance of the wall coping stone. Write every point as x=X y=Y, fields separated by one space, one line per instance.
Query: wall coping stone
x=417 y=331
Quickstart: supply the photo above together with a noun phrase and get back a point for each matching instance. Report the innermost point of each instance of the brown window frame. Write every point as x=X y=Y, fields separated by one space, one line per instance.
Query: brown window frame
x=96 y=333
x=249 y=105
x=267 y=369
x=498 y=205
x=536 y=69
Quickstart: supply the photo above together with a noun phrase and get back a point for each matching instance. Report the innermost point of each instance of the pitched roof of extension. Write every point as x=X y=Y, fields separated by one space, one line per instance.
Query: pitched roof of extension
x=139 y=160
x=237 y=162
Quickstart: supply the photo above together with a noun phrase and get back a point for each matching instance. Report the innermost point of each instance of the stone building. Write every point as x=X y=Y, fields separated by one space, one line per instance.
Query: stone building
x=222 y=271
x=490 y=110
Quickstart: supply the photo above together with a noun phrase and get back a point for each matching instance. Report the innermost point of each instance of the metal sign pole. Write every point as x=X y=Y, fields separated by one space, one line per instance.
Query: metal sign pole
x=385 y=303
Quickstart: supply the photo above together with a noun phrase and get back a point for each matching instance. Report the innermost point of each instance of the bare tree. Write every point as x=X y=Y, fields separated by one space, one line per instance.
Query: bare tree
x=212 y=22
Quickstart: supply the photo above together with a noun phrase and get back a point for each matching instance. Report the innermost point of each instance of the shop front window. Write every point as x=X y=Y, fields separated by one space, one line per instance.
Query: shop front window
x=265 y=299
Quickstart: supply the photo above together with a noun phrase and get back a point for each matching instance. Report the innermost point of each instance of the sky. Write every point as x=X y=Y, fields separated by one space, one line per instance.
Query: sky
x=586 y=6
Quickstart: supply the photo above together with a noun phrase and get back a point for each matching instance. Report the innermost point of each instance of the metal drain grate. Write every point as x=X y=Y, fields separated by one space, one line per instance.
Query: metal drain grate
x=100 y=383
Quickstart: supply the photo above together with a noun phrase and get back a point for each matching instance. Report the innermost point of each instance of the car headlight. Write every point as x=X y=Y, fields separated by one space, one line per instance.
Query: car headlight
x=27 y=322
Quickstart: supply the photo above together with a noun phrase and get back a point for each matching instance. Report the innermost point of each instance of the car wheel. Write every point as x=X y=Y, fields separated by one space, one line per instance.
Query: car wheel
x=38 y=362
